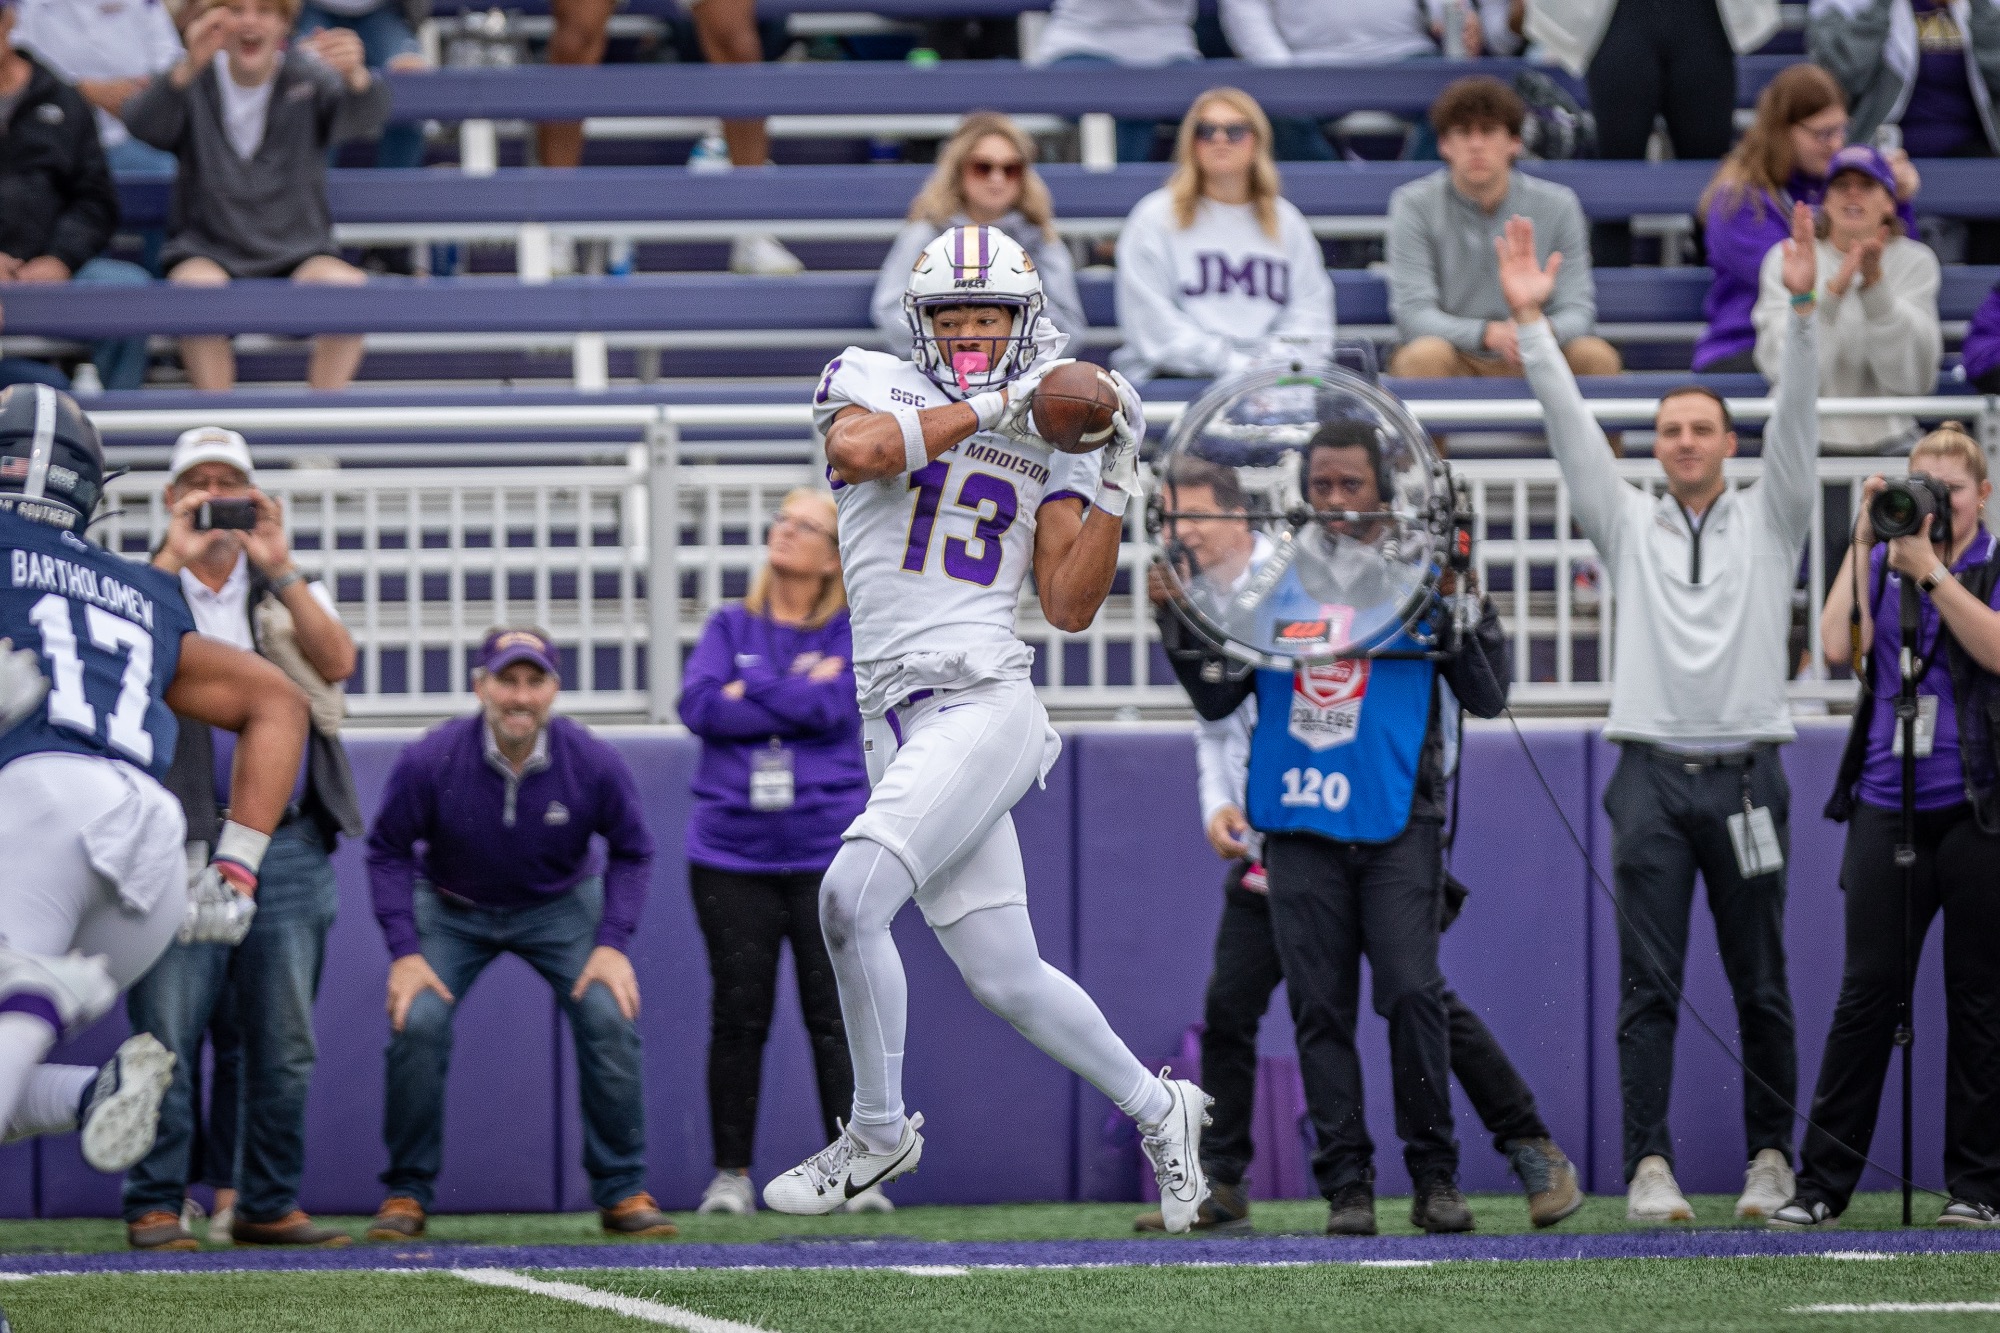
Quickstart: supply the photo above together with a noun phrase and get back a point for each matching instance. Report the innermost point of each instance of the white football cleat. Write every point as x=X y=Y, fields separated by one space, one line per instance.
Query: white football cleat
x=1654 y=1195
x=870 y=1200
x=79 y=989
x=731 y=1193
x=763 y=256
x=1767 y=1186
x=843 y=1170
x=1175 y=1151
x=121 y=1114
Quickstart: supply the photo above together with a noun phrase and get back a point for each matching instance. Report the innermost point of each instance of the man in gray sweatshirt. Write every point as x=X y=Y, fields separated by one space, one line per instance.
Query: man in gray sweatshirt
x=1702 y=577
x=1443 y=288
x=251 y=123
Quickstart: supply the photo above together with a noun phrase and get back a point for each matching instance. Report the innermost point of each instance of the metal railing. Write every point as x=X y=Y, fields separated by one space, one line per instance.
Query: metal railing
x=422 y=560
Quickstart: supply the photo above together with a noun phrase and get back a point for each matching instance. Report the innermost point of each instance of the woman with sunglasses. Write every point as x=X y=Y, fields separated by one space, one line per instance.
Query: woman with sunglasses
x=1801 y=122
x=985 y=176
x=1217 y=272
x=770 y=692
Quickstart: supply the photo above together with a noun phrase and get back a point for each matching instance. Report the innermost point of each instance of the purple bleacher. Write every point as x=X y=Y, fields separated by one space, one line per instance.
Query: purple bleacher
x=1125 y=894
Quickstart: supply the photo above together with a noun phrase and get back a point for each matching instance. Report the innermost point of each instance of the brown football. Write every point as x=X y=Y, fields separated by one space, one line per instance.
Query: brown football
x=1073 y=407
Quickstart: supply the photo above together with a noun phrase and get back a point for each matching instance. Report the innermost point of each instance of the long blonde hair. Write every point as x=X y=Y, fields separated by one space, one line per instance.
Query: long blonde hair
x=1185 y=186
x=832 y=599
x=1758 y=168
x=943 y=195
x=1951 y=440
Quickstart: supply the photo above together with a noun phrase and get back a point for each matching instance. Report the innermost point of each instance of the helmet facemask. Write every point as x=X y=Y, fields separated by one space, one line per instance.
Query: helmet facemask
x=970 y=372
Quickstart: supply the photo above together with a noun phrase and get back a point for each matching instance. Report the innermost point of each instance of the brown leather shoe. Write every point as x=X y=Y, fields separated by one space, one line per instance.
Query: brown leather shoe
x=637 y=1215
x=1225 y=1212
x=399 y=1218
x=294 y=1228
x=160 y=1230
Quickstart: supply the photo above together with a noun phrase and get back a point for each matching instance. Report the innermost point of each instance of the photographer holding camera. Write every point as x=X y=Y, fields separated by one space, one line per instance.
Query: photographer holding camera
x=226 y=544
x=1924 y=530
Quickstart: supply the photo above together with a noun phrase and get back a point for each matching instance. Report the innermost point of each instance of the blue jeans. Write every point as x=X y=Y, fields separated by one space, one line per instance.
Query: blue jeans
x=134 y=158
x=121 y=362
x=384 y=34
x=20 y=370
x=270 y=980
x=1135 y=137
x=555 y=938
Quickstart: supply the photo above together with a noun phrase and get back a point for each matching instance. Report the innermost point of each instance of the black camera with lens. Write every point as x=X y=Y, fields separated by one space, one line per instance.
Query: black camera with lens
x=226 y=513
x=1900 y=507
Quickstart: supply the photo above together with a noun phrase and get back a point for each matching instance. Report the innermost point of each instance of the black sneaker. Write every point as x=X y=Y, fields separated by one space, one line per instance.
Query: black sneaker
x=1804 y=1214
x=1966 y=1213
x=1439 y=1208
x=1351 y=1211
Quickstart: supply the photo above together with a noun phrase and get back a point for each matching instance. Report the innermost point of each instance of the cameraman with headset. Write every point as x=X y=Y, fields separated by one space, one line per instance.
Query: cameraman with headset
x=1955 y=563
x=1357 y=867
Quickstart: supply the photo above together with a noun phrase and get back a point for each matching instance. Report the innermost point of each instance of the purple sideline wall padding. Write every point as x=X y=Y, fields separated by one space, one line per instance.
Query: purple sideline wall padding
x=1125 y=894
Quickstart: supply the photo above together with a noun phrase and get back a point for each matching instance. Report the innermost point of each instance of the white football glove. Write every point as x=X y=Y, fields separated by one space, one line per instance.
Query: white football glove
x=22 y=684
x=1017 y=419
x=219 y=912
x=1118 y=475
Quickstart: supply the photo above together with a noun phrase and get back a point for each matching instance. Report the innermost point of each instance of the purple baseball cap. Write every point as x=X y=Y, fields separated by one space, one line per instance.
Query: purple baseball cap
x=504 y=647
x=1865 y=159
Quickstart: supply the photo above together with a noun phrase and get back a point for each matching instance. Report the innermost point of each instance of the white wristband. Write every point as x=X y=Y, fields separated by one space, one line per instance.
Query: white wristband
x=245 y=846
x=1112 y=500
x=989 y=407
x=915 y=456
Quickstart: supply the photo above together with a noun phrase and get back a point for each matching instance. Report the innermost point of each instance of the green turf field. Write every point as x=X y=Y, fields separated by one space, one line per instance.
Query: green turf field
x=1211 y=1290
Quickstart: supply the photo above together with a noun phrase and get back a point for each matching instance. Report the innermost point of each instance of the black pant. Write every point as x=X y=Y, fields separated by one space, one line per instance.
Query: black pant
x=1239 y=991
x=1667 y=823
x=744 y=919
x=1958 y=870
x=1332 y=902
x=1668 y=58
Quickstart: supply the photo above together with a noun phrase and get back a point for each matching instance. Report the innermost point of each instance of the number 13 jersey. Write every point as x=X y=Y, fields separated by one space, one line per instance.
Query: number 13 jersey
x=108 y=632
x=934 y=559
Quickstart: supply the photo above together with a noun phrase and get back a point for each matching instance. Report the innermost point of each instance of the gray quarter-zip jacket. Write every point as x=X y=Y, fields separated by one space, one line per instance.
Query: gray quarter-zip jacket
x=1703 y=610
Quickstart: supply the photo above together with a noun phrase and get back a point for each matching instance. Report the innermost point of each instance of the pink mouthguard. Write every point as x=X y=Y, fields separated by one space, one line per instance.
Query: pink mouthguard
x=968 y=363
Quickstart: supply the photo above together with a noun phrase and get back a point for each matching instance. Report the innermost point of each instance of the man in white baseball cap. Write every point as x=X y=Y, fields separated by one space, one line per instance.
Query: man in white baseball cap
x=226 y=544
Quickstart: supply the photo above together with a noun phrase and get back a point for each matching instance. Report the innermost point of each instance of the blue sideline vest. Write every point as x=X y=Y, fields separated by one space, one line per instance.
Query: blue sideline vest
x=1337 y=745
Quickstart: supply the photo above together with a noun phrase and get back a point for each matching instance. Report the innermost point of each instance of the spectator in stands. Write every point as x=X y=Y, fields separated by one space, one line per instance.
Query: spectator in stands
x=58 y=206
x=1444 y=284
x=251 y=124
x=1930 y=68
x=581 y=29
x=1877 y=298
x=1648 y=59
x=388 y=42
x=1957 y=838
x=770 y=691
x=1702 y=577
x=505 y=804
x=985 y=175
x=1343 y=32
x=1141 y=34
x=109 y=49
x=1217 y=270
x=245 y=590
x=1980 y=355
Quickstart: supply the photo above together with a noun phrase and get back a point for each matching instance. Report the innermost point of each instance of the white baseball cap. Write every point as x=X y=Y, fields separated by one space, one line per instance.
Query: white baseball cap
x=210 y=444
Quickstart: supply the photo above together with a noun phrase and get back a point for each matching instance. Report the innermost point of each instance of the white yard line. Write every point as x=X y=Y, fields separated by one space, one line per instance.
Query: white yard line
x=931 y=1270
x=632 y=1307
x=1856 y=1254
x=1903 y=1307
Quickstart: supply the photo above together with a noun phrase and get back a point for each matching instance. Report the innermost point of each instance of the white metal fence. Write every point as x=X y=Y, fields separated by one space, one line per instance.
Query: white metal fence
x=424 y=559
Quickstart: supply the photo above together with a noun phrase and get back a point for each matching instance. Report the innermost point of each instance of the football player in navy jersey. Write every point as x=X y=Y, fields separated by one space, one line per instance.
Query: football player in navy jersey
x=99 y=654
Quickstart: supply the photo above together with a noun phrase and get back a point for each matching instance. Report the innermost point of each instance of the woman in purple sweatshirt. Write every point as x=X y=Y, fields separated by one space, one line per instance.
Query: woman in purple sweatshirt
x=770 y=691
x=1801 y=123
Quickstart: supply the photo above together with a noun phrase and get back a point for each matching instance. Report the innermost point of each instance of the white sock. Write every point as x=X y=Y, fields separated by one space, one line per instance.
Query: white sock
x=51 y=1100
x=860 y=895
x=1149 y=1104
x=24 y=1040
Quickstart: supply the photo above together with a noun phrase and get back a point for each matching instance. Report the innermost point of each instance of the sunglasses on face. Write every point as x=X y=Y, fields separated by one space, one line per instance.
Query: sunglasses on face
x=1005 y=170
x=1235 y=132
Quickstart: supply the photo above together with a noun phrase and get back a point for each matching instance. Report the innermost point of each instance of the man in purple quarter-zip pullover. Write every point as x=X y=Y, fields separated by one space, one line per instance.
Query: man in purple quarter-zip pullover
x=505 y=804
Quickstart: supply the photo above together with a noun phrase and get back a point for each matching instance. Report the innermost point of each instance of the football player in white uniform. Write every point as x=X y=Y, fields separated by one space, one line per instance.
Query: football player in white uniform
x=946 y=496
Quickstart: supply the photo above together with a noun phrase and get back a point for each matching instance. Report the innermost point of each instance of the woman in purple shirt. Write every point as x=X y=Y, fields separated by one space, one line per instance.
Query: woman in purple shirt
x=770 y=691
x=1801 y=123
x=1957 y=655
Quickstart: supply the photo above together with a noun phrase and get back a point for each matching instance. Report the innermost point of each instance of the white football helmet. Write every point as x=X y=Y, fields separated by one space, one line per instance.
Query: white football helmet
x=973 y=265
